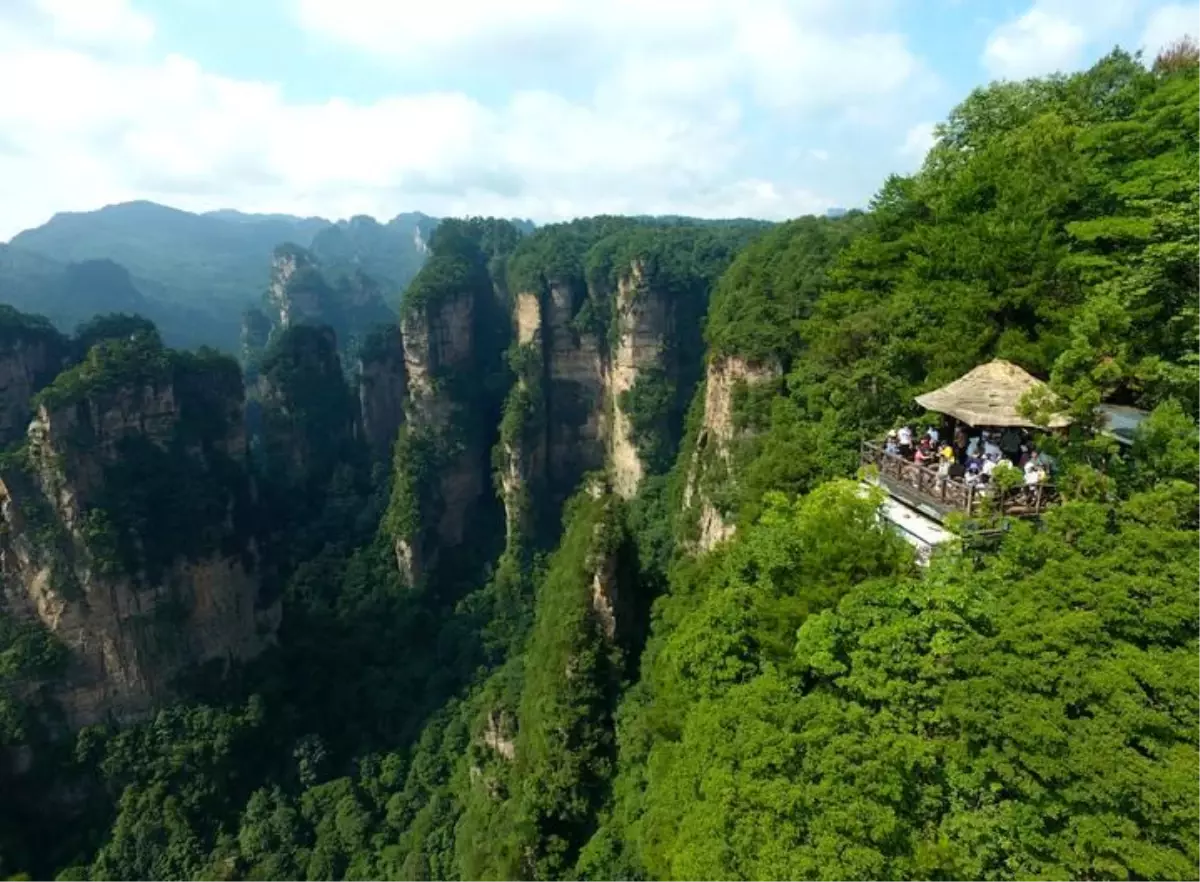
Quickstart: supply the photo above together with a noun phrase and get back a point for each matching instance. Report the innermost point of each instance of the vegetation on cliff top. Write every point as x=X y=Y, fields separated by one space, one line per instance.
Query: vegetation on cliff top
x=807 y=703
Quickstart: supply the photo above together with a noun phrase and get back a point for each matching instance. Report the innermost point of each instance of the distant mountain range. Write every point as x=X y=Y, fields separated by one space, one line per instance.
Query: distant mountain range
x=193 y=274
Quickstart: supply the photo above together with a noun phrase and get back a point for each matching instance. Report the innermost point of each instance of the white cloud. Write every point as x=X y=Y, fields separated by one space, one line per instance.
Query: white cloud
x=789 y=53
x=1060 y=35
x=1038 y=42
x=660 y=125
x=98 y=22
x=819 y=155
x=917 y=142
x=1168 y=24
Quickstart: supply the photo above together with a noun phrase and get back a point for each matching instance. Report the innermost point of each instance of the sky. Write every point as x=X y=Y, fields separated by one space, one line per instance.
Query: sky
x=545 y=109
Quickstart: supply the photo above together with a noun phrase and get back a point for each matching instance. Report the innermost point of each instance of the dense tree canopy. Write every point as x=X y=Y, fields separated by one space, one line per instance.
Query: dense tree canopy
x=597 y=701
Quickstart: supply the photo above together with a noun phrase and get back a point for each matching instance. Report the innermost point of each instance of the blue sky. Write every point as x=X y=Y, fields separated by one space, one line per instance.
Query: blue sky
x=536 y=108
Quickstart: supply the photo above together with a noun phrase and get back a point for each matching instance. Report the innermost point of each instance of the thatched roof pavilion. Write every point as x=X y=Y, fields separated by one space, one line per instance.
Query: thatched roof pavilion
x=988 y=396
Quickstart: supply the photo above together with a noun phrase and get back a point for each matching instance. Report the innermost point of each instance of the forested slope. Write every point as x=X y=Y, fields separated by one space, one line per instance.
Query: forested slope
x=690 y=648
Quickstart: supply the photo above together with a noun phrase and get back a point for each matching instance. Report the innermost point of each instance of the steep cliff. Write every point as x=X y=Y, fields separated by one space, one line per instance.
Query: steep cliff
x=520 y=456
x=615 y=316
x=438 y=360
x=309 y=421
x=710 y=475
x=127 y=526
x=382 y=389
x=642 y=331
x=303 y=291
x=31 y=353
x=555 y=424
x=452 y=340
x=577 y=373
x=297 y=291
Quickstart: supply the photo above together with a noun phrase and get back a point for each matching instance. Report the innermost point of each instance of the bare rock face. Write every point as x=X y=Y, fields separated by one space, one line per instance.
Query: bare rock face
x=437 y=340
x=498 y=734
x=642 y=326
x=522 y=446
x=576 y=375
x=409 y=563
x=605 y=592
x=603 y=563
x=583 y=385
x=717 y=434
x=381 y=392
x=292 y=293
x=527 y=317
x=26 y=364
x=129 y=634
x=562 y=389
x=438 y=343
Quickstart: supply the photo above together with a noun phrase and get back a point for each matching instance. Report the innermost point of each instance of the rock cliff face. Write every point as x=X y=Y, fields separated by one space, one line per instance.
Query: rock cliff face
x=712 y=457
x=521 y=469
x=583 y=386
x=297 y=292
x=302 y=291
x=608 y=566
x=381 y=394
x=555 y=427
x=130 y=630
x=643 y=327
x=439 y=359
x=308 y=411
x=576 y=374
x=28 y=361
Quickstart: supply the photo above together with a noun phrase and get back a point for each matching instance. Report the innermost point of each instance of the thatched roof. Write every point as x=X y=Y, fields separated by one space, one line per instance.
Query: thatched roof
x=987 y=396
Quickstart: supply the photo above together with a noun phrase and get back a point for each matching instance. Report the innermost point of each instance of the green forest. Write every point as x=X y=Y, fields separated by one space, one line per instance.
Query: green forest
x=581 y=692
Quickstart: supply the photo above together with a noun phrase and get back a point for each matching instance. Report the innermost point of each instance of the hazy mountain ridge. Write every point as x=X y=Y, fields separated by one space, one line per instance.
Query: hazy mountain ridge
x=194 y=273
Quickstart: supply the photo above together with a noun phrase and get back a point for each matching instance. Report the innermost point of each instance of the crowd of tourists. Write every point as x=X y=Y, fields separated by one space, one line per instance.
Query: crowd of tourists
x=972 y=455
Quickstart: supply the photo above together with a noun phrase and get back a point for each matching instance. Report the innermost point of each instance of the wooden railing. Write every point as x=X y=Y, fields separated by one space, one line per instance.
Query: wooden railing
x=955 y=493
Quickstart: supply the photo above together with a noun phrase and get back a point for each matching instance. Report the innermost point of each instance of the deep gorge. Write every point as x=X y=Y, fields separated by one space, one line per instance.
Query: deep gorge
x=559 y=567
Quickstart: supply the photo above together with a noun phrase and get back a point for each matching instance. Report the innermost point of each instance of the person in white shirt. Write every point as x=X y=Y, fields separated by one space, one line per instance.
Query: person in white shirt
x=934 y=435
x=990 y=447
x=1033 y=473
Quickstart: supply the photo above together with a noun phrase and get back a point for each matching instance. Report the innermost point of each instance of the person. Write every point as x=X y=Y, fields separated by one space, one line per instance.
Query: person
x=933 y=435
x=976 y=461
x=974 y=446
x=1033 y=472
x=960 y=442
x=943 y=470
x=990 y=446
x=906 y=441
x=925 y=452
x=974 y=471
x=1010 y=444
x=891 y=444
x=989 y=466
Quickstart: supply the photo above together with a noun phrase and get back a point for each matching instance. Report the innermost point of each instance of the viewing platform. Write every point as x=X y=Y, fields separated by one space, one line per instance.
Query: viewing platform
x=982 y=427
x=921 y=488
